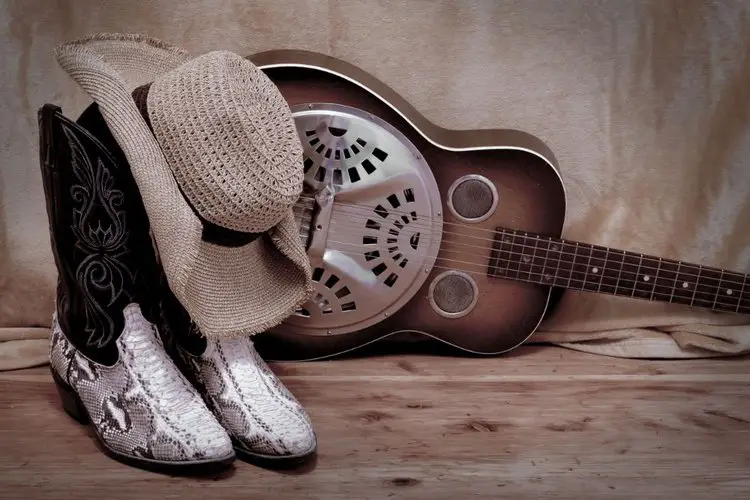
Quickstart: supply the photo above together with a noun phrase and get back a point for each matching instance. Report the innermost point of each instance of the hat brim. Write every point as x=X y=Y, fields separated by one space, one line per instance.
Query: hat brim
x=228 y=291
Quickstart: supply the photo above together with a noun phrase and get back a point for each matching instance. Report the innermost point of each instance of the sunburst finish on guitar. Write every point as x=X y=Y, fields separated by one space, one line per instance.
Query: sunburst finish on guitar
x=454 y=235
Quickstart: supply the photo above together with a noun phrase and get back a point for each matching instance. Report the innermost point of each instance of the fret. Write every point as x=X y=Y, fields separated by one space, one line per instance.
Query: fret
x=683 y=282
x=708 y=284
x=536 y=268
x=741 y=295
x=655 y=280
x=616 y=257
x=530 y=260
x=572 y=264
x=507 y=246
x=674 y=285
x=648 y=272
x=719 y=290
x=493 y=263
x=515 y=253
x=611 y=272
x=716 y=291
x=503 y=259
x=547 y=276
x=666 y=280
x=601 y=269
x=564 y=268
x=523 y=259
x=730 y=296
x=697 y=283
x=555 y=255
x=637 y=276
x=628 y=274
x=582 y=268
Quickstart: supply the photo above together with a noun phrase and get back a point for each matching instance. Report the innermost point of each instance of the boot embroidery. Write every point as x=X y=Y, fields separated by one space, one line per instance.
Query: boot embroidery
x=99 y=224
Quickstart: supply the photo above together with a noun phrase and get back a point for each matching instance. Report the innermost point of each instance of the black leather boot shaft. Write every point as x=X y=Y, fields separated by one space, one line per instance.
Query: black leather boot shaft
x=99 y=231
x=101 y=242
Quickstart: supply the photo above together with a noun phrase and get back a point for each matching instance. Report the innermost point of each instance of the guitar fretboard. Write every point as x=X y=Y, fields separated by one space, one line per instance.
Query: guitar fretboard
x=532 y=258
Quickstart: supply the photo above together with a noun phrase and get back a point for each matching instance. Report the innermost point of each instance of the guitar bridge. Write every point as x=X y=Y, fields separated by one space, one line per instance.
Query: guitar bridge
x=305 y=213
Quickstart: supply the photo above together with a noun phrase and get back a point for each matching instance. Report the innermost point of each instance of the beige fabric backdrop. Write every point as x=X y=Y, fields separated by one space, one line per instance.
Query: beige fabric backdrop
x=645 y=104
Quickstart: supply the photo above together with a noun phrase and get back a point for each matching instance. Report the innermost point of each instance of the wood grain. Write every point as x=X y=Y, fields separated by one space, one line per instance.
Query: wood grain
x=543 y=421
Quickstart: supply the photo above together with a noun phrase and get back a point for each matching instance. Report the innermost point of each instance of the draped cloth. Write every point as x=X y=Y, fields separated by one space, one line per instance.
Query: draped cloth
x=645 y=105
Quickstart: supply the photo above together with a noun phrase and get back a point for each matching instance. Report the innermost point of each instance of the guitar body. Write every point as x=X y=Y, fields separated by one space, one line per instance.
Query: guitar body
x=466 y=184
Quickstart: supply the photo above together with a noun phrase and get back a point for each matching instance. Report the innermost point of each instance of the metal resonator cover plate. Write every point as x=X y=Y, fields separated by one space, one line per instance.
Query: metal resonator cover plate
x=385 y=228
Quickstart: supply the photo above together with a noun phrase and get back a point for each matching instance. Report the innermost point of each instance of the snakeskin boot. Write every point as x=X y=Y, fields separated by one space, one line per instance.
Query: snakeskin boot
x=106 y=356
x=267 y=424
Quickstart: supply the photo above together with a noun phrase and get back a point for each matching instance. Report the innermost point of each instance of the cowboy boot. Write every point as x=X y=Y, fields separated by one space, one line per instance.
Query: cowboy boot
x=267 y=424
x=106 y=356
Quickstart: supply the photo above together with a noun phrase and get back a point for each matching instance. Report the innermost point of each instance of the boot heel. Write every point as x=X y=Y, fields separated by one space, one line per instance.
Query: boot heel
x=70 y=401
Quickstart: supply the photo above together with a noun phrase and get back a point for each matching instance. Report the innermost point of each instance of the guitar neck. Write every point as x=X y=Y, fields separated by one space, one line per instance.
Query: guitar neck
x=522 y=256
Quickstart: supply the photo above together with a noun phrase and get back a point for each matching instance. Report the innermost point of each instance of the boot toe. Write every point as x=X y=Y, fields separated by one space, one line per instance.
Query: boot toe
x=213 y=442
x=277 y=435
x=300 y=442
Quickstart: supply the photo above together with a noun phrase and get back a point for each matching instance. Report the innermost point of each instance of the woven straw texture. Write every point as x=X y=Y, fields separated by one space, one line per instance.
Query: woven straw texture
x=227 y=291
x=234 y=150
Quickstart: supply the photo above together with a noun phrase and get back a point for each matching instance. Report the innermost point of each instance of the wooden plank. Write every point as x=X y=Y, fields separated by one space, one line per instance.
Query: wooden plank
x=542 y=423
x=527 y=362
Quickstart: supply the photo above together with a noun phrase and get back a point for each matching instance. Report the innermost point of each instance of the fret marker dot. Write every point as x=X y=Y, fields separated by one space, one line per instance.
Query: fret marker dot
x=646 y=278
x=526 y=258
x=685 y=284
x=555 y=248
x=595 y=270
x=729 y=291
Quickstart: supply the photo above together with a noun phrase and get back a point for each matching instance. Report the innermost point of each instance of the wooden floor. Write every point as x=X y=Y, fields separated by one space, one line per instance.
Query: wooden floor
x=543 y=422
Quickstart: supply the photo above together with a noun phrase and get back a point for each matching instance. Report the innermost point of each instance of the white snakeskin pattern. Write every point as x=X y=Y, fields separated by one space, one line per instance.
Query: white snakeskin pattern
x=250 y=401
x=142 y=406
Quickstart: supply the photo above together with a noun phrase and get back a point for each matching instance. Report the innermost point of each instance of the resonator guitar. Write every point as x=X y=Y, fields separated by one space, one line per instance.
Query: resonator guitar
x=421 y=231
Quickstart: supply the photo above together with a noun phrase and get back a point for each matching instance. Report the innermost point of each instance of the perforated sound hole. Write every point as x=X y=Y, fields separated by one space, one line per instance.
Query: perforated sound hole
x=392 y=231
x=472 y=198
x=383 y=231
x=453 y=294
x=332 y=295
x=352 y=159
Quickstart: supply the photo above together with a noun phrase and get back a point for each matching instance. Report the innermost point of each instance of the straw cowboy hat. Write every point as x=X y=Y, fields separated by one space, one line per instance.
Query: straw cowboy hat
x=218 y=162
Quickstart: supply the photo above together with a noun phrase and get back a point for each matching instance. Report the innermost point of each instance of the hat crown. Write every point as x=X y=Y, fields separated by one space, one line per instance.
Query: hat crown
x=230 y=140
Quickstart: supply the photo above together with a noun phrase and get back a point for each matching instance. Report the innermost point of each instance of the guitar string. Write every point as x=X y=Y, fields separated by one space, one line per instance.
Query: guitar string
x=558 y=261
x=742 y=277
x=737 y=306
x=712 y=290
x=367 y=212
x=728 y=277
